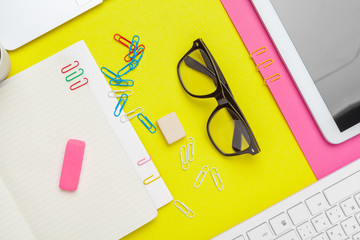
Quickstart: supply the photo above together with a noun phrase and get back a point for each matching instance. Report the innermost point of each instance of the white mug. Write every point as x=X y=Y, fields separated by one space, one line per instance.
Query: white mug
x=5 y=63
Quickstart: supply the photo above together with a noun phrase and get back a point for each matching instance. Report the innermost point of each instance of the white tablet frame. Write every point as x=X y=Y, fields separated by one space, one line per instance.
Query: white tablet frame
x=301 y=76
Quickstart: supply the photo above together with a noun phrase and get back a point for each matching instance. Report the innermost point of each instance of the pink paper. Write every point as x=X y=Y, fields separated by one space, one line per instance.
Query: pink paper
x=323 y=157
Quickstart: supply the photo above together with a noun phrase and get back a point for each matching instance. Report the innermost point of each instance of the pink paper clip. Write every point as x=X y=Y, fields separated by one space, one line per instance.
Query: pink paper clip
x=77 y=83
x=65 y=70
x=143 y=161
x=118 y=38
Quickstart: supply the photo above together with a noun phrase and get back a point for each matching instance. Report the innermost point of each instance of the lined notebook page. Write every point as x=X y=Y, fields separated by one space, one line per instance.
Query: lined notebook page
x=10 y=217
x=38 y=114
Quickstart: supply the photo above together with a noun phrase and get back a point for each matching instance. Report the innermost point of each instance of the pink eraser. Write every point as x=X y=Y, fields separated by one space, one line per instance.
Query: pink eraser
x=71 y=168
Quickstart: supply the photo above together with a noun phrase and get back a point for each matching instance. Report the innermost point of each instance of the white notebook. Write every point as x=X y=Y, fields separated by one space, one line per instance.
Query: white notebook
x=38 y=114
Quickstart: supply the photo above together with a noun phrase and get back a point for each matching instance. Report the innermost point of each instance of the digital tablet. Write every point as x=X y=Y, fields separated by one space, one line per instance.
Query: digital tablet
x=319 y=42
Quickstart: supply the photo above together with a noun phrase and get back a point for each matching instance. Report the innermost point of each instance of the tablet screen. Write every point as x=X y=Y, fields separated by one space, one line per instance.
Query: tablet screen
x=326 y=34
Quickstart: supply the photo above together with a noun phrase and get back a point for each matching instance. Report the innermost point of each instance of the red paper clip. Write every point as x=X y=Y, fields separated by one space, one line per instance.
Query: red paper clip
x=76 y=87
x=118 y=38
x=63 y=70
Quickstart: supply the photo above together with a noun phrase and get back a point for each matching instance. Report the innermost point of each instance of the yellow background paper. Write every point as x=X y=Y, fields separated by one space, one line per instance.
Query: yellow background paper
x=167 y=29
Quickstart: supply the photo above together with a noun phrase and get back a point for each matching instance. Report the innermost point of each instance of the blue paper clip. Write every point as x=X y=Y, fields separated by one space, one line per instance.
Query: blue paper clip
x=122 y=82
x=126 y=69
x=149 y=127
x=107 y=72
x=135 y=61
x=132 y=49
x=121 y=103
x=81 y=73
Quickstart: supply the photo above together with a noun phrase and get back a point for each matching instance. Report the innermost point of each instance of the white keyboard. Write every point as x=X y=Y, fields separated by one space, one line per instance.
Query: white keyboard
x=327 y=210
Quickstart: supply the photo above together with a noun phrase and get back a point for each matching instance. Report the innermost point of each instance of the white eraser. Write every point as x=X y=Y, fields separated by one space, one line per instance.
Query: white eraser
x=171 y=128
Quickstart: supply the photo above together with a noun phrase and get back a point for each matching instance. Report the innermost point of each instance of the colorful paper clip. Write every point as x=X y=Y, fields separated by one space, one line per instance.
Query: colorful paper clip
x=141 y=47
x=72 y=88
x=119 y=38
x=122 y=82
x=110 y=74
x=258 y=51
x=146 y=122
x=65 y=70
x=203 y=173
x=184 y=164
x=143 y=161
x=184 y=209
x=121 y=104
x=134 y=46
x=135 y=61
x=130 y=115
x=113 y=93
x=81 y=73
x=190 y=144
x=146 y=182
x=126 y=69
x=214 y=173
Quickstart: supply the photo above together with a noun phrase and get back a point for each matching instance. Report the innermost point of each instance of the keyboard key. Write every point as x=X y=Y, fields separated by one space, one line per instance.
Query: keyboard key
x=349 y=206
x=322 y=236
x=320 y=222
x=342 y=189
x=305 y=231
x=241 y=237
x=316 y=203
x=357 y=217
x=261 y=232
x=280 y=223
x=336 y=233
x=335 y=214
x=350 y=226
x=357 y=198
x=356 y=236
x=299 y=213
x=289 y=236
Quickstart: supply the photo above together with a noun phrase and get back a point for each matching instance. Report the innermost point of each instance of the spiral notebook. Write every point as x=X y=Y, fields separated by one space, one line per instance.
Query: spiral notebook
x=39 y=113
x=323 y=157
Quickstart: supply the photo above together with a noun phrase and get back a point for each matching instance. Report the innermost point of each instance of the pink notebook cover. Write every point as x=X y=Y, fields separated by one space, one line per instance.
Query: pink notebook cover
x=323 y=157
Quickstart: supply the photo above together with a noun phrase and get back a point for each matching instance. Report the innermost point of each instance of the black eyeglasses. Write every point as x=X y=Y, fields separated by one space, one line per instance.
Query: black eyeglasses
x=227 y=127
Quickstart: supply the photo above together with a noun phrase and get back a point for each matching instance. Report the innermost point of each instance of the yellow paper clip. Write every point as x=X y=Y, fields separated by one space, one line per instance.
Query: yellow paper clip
x=184 y=209
x=150 y=181
x=130 y=115
x=113 y=93
x=214 y=173
x=266 y=62
x=190 y=142
x=259 y=51
x=202 y=172
x=184 y=164
x=272 y=78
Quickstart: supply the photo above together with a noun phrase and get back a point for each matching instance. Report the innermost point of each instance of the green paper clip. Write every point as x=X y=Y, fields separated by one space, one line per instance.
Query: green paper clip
x=68 y=80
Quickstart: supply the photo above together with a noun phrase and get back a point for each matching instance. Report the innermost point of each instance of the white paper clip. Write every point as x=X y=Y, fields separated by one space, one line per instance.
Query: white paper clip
x=130 y=115
x=113 y=94
x=202 y=172
x=184 y=160
x=184 y=209
x=143 y=161
x=214 y=174
x=190 y=143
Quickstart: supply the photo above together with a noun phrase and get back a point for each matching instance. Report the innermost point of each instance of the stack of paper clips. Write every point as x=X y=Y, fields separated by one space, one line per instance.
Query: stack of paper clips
x=186 y=156
x=133 y=58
